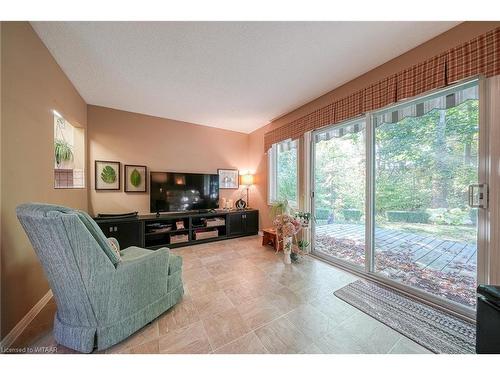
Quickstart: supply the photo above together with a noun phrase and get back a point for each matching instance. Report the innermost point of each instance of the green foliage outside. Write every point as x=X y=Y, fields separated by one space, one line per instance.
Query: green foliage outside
x=340 y=177
x=408 y=216
x=423 y=167
x=427 y=162
x=287 y=176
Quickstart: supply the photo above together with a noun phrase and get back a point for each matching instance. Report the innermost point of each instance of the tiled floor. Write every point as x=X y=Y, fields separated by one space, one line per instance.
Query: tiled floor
x=241 y=298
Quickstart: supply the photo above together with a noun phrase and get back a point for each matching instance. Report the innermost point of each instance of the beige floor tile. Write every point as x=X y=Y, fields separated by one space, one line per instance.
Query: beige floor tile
x=195 y=275
x=207 y=286
x=229 y=279
x=184 y=251
x=334 y=308
x=211 y=259
x=188 y=264
x=212 y=303
x=230 y=255
x=181 y=315
x=312 y=349
x=224 y=327
x=375 y=337
x=310 y=321
x=313 y=293
x=150 y=347
x=285 y=300
x=218 y=269
x=191 y=339
x=407 y=346
x=206 y=252
x=341 y=341
x=258 y=311
x=242 y=292
x=149 y=332
x=248 y=344
x=281 y=337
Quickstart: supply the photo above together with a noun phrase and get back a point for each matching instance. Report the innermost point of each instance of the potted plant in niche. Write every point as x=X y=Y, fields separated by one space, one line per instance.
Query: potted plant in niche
x=63 y=152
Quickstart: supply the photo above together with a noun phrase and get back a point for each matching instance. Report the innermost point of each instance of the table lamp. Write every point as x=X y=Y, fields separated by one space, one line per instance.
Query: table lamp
x=247 y=180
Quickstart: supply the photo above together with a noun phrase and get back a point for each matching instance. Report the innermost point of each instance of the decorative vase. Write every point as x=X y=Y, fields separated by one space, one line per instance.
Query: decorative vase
x=287 y=250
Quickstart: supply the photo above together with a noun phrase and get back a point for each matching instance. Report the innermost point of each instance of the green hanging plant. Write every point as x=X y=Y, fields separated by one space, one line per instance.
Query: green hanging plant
x=108 y=174
x=63 y=151
x=135 y=178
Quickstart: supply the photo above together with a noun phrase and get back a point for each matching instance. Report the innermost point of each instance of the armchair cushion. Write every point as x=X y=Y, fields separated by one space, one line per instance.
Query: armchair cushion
x=133 y=253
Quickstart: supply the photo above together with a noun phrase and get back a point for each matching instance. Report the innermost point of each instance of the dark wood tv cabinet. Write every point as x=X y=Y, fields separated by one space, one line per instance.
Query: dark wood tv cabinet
x=153 y=232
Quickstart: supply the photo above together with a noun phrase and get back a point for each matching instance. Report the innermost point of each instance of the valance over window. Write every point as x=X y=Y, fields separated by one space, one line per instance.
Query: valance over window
x=443 y=100
x=479 y=56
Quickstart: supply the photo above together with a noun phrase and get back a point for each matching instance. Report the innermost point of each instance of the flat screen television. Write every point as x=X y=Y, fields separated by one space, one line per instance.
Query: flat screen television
x=174 y=192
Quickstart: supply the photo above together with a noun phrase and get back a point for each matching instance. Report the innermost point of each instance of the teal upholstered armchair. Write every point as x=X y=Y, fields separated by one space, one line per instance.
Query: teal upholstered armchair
x=102 y=297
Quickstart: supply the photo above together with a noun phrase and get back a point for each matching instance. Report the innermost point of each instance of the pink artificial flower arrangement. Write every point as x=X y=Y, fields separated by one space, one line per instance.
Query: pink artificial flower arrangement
x=287 y=225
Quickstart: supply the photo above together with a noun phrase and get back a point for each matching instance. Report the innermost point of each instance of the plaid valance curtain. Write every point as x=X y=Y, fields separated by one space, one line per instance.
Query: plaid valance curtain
x=479 y=56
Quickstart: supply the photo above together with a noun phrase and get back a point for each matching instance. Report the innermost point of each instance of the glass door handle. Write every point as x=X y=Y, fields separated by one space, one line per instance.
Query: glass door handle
x=482 y=196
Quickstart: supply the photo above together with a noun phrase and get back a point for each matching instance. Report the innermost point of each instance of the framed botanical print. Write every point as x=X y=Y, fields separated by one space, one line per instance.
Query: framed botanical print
x=228 y=178
x=107 y=175
x=135 y=178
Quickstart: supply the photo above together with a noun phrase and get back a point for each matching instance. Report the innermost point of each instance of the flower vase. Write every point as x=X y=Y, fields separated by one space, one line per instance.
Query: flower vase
x=287 y=250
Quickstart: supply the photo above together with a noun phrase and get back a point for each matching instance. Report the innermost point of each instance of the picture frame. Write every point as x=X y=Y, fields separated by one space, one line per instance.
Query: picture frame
x=136 y=178
x=228 y=178
x=107 y=175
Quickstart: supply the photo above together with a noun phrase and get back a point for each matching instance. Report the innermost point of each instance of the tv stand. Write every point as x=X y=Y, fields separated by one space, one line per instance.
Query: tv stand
x=180 y=229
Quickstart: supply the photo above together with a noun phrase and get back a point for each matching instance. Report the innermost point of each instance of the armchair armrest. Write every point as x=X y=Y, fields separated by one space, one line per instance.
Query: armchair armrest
x=139 y=280
x=115 y=242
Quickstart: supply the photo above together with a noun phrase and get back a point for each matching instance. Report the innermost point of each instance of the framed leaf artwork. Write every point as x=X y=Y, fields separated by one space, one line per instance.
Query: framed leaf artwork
x=136 y=179
x=107 y=175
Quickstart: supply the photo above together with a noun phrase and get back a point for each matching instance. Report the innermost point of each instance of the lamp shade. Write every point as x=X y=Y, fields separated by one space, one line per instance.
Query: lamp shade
x=247 y=179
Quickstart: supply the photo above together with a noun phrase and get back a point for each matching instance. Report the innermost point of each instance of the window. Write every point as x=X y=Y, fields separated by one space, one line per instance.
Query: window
x=69 y=154
x=283 y=172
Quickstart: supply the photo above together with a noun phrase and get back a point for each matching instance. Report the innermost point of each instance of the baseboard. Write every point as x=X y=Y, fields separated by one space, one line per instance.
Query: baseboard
x=12 y=336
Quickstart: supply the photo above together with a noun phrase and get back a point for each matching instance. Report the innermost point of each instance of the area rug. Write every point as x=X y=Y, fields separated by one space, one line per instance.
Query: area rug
x=435 y=329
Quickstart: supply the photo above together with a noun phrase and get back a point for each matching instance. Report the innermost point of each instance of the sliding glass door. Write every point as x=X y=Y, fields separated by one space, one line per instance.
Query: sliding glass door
x=426 y=158
x=400 y=194
x=339 y=192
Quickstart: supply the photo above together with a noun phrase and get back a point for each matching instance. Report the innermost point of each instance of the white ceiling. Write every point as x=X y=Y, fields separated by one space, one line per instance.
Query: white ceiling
x=231 y=75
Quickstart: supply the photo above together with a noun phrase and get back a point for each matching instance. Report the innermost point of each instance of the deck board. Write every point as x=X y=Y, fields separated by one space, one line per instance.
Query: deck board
x=426 y=250
x=438 y=265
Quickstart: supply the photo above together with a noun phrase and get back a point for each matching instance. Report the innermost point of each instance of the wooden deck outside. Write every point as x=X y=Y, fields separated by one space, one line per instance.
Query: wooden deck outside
x=441 y=266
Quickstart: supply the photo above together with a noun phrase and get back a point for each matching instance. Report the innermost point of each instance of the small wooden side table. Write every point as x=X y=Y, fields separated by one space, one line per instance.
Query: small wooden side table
x=270 y=238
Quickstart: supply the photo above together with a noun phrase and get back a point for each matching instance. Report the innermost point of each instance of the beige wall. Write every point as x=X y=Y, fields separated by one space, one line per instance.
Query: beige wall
x=454 y=36
x=258 y=164
x=161 y=145
x=32 y=85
